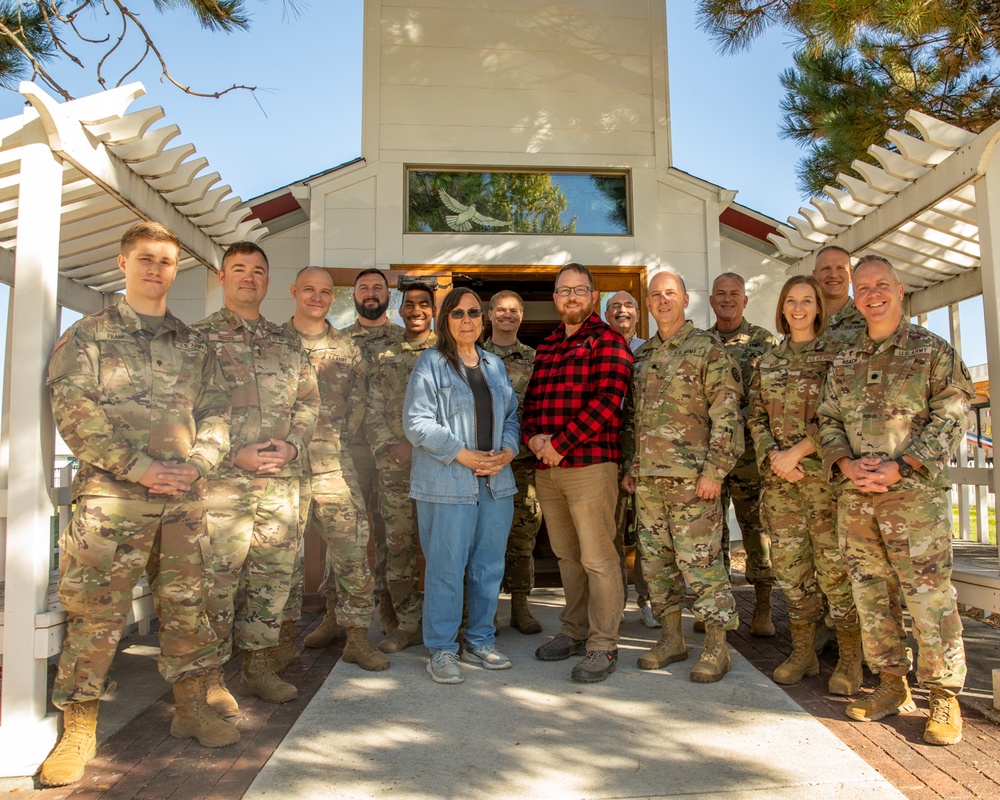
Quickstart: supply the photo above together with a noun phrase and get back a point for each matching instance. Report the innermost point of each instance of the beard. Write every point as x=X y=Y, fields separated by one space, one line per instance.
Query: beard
x=576 y=316
x=371 y=312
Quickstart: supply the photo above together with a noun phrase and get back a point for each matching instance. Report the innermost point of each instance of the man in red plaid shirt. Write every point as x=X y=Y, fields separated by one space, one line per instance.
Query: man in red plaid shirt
x=571 y=421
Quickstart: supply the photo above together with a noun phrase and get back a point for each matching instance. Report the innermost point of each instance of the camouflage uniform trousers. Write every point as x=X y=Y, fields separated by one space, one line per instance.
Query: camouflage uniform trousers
x=367 y=475
x=402 y=572
x=105 y=549
x=742 y=485
x=519 y=570
x=805 y=552
x=296 y=591
x=680 y=536
x=904 y=534
x=337 y=512
x=253 y=523
x=625 y=521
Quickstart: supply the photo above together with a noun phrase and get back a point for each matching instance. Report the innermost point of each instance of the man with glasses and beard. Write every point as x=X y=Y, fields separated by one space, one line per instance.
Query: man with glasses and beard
x=572 y=422
x=372 y=332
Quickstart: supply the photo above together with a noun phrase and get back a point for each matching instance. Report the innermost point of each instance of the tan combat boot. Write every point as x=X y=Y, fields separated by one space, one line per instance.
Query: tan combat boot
x=846 y=678
x=387 y=614
x=891 y=697
x=761 y=624
x=258 y=679
x=75 y=748
x=944 y=726
x=521 y=618
x=401 y=638
x=195 y=719
x=671 y=646
x=714 y=661
x=285 y=653
x=803 y=659
x=361 y=651
x=327 y=631
x=218 y=696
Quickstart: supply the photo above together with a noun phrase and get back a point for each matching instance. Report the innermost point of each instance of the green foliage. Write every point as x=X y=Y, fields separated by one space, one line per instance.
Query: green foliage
x=860 y=65
x=22 y=26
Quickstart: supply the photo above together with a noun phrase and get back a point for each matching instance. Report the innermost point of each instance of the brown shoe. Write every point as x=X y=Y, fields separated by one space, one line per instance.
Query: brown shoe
x=671 y=646
x=387 y=614
x=359 y=650
x=761 y=624
x=802 y=660
x=75 y=748
x=846 y=678
x=195 y=719
x=944 y=726
x=714 y=661
x=521 y=618
x=400 y=639
x=891 y=697
x=328 y=631
x=286 y=653
x=218 y=696
x=257 y=678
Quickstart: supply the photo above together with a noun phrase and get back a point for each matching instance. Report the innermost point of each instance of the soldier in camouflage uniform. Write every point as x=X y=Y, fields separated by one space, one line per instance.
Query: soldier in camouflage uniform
x=253 y=497
x=392 y=450
x=832 y=270
x=622 y=314
x=799 y=504
x=506 y=312
x=371 y=332
x=682 y=437
x=331 y=494
x=134 y=395
x=894 y=409
x=745 y=343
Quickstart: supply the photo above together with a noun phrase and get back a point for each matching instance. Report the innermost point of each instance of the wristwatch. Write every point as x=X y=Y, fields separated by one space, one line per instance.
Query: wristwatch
x=905 y=470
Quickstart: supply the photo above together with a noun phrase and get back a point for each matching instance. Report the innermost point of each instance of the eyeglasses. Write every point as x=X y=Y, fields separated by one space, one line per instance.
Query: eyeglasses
x=579 y=291
x=461 y=313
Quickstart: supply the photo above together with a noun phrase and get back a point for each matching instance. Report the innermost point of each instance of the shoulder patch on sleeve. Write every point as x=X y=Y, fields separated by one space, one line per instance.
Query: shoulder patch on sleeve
x=65 y=338
x=965 y=371
x=736 y=375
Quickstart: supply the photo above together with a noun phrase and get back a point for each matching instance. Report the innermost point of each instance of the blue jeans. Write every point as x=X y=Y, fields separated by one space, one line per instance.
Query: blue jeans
x=463 y=542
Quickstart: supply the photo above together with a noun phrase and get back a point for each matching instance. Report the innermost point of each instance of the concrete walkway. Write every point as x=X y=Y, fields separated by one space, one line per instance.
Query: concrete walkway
x=530 y=732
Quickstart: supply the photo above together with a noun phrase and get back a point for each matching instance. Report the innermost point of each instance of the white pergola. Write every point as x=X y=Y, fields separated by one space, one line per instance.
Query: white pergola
x=932 y=208
x=73 y=177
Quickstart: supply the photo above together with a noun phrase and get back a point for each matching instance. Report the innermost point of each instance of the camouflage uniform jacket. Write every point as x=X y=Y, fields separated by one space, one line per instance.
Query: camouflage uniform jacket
x=270 y=382
x=370 y=341
x=123 y=398
x=847 y=324
x=682 y=414
x=387 y=390
x=745 y=346
x=908 y=395
x=342 y=377
x=784 y=394
x=518 y=358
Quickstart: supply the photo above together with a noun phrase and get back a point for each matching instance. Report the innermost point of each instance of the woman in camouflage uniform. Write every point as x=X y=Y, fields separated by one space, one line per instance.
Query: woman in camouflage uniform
x=797 y=501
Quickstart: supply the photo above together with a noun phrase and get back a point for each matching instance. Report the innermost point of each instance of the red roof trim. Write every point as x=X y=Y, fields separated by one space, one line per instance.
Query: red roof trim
x=747 y=224
x=274 y=208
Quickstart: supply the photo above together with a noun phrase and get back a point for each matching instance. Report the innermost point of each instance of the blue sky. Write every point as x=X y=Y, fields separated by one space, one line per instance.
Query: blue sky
x=306 y=117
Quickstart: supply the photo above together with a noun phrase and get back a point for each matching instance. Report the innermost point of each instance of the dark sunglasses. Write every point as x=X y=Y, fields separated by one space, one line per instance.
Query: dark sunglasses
x=461 y=313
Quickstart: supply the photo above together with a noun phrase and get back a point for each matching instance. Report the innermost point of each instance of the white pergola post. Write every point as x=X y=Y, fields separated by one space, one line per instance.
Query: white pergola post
x=988 y=212
x=26 y=734
x=964 y=533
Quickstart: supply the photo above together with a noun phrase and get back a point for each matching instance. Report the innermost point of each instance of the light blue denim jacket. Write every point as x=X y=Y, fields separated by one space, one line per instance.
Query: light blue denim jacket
x=439 y=419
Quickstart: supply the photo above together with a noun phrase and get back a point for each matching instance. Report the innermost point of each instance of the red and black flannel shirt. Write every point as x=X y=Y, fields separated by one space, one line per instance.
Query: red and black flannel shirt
x=576 y=392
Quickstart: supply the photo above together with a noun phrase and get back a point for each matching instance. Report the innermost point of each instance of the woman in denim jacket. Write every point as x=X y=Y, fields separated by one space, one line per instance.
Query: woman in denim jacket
x=460 y=414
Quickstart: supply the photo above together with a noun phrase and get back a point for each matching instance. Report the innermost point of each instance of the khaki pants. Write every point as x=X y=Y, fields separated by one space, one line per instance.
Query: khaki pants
x=578 y=505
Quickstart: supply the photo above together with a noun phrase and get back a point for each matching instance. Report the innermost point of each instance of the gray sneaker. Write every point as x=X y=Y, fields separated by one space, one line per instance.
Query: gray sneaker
x=560 y=648
x=443 y=668
x=647 y=617
x=596 y=666
x=487 y=657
